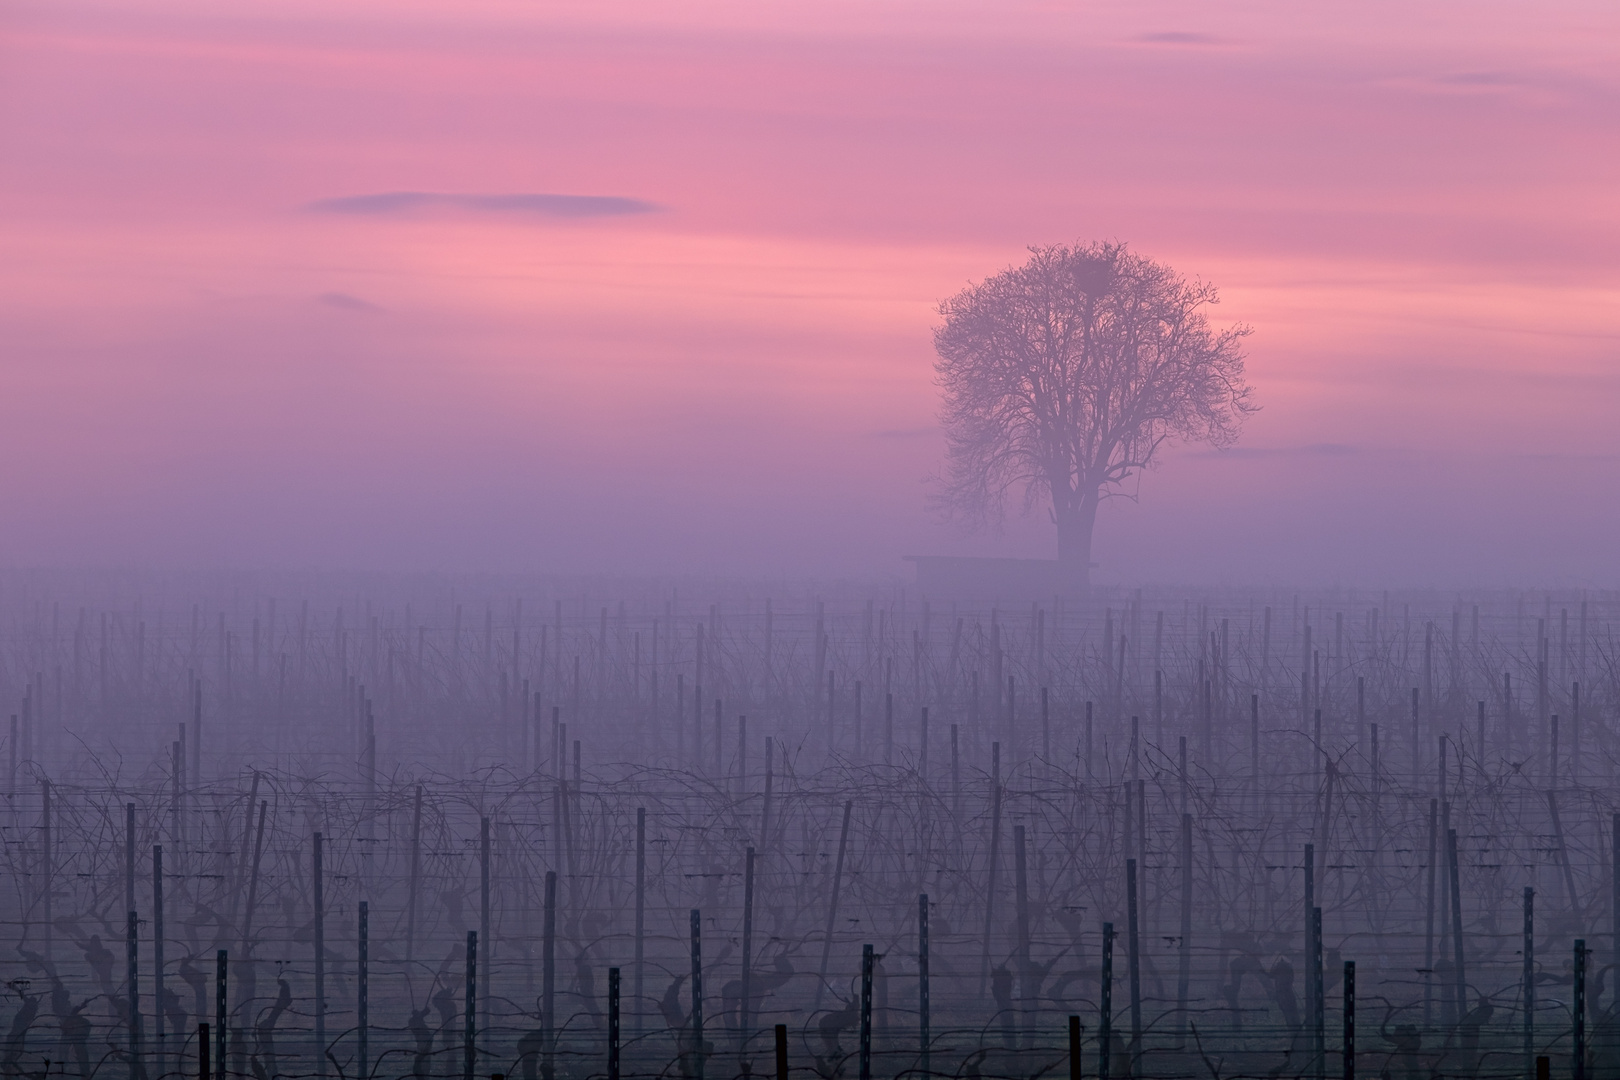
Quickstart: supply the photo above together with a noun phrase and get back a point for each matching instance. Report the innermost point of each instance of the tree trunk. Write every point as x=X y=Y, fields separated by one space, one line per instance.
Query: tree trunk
x=1075 y=523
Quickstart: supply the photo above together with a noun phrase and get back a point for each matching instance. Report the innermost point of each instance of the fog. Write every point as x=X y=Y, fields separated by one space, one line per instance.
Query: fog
x=486 y=585
x=510 y=289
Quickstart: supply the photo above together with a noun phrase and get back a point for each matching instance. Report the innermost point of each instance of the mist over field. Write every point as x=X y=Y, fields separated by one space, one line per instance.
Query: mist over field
x=829 y=541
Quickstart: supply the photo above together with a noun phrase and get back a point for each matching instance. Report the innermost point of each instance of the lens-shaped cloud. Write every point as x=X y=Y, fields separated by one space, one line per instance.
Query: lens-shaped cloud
x=540 y=204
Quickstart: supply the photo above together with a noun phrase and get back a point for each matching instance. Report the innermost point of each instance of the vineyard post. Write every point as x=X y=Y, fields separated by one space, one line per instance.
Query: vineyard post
x=697 y=993
x=221 y=1013
x=318 y=899
x=1105 y=1004
x=157 y=953
x=866 y=1013
x=923 y=1004
x=641 y=909
x=469 y=1035
x=613 y=1024
x=743 y=1030
x=1134 y=944
x=548 y=979
x=363 y=994
x=1349 y=1020
x=832 y=904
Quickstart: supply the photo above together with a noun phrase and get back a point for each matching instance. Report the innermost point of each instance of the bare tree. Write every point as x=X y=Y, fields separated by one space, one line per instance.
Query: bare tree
x=1062 y=378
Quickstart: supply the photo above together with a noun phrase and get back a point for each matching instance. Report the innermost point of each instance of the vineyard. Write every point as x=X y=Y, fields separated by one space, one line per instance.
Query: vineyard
x=624 y=830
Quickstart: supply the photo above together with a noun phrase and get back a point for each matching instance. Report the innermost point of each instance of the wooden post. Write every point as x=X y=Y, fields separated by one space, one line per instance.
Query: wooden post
x=415 y=877
x=1021 y=913
x=1428 y=925
x=157 y=952
x=319 y=898
x=129 y=856
x=483 y=914
x=832 y=904
x=253 y=879
x=990 y=870
x=888 y=724
x=1134 y=944
x=1456 y=923
x=133 y=1006
x=1184 y=969
x=1318 y=994
x=743 y=1030
x=1046 y=727
x=924 y=1037
x=641 y=909
x=1527 y=989
x=765 y=816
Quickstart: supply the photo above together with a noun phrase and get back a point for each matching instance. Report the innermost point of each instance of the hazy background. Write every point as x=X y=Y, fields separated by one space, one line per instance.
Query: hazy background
x=218 y=351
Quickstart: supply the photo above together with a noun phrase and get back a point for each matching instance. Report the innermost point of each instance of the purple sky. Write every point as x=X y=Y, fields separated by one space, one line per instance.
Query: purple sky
x=292 y=284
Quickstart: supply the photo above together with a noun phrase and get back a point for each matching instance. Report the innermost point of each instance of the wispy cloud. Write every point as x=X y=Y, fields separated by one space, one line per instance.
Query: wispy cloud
x=1176 y=37
x=538 y=204
x=1476 y=78
x=346 y=302
x=1310 y=450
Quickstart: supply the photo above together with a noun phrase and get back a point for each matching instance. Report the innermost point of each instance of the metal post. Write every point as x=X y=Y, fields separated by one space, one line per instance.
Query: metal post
x=320 y=964
x=781 y=1052
x=924 y=1039
x=221 y=1012
x=1579 y=1009
x=697 y=993
x=866 y=1013
x=1074 y=1048
x=203 y=1070
x=363 y=995
x=1105 y=999
x=1528 y=992
x=548 y=980
x=613 y=1024
x=1349 y=1020
x=743 y=1030
x=132 y=954
x=469 y=1051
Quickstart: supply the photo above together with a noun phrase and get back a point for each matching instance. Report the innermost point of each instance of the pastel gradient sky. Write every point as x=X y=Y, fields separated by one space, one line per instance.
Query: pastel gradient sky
x=220 y=349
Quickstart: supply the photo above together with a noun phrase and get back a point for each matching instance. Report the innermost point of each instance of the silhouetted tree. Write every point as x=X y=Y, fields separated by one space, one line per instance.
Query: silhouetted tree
x=1063 y=377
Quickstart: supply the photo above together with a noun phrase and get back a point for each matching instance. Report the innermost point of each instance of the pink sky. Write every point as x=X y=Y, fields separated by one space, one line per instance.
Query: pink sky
x=1415 y=207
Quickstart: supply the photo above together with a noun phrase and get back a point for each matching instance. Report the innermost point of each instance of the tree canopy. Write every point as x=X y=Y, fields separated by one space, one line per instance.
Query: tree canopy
x=1065 y=376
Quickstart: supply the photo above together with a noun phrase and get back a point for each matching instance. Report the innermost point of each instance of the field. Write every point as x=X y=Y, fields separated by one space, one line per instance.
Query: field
x=429 y=828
